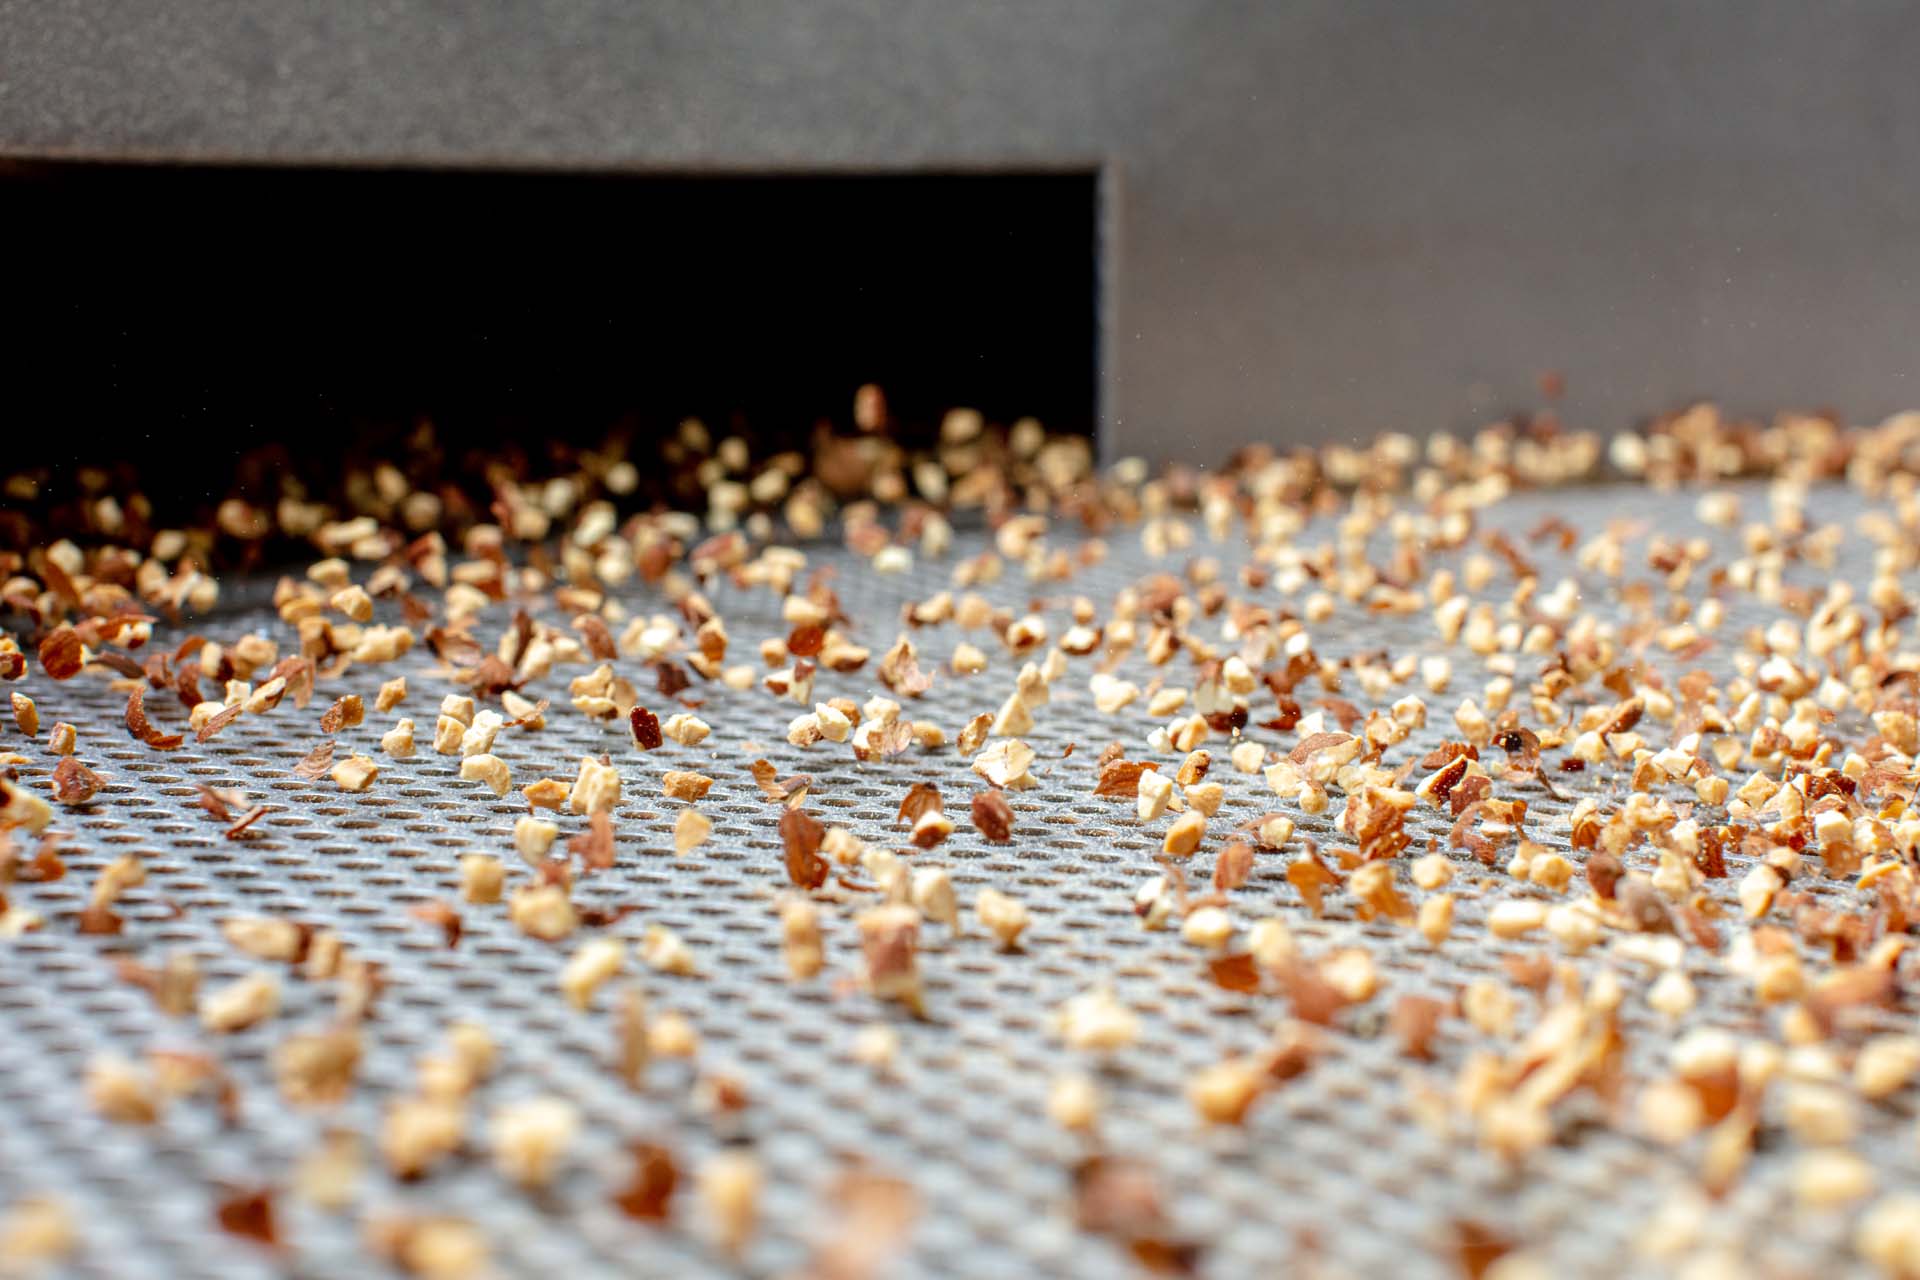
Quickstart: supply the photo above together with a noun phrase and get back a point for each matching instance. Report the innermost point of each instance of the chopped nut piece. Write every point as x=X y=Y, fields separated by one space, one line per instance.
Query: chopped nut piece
x=931 y=829
x=1828 y=1179
x=354 y=602
x=974 y=735
x=802 y=837
x=1672 y=994
x=1516 y=917
x=418 y=1133
x=800 y=938
x=992 y=816
x=547 y=793
x=25 y=714
x=1184 y=836
x=690 y=831
x=531 y=1137
x=482 y=878
x=730 y=1191
x=664 y=951
x=685 y=729
x=241 y=1004
x=1224 y=1092
x=876 y=1046
x=355 y=773
x=542 y=911
x=1094 y=1021
x=590 y=967
x=833 y=723
x=327 y=1175
x=1886 y=1064
x=37 y=1232
x=1155 y=790
x=318 y=1068
x=1006 y=764
x=932 y=894
x=1001 y=915
x=1013 y=718
x=889 y=940
x=679 y=784
x=490 y=769
x=431 y=1248
x=266 y=938
x=1432 y=870
x=447 y=735
x=1205 y=797
x=73 y=783
x=345 y=713
x=672 y=1036
x=1888 y=1234
x=1209 y=927
x=398 y=741
x=1073 y=1103
x=597 y=788
x=526 y=713
x=533 y=838
x=649 y=1190
x=1435 y=920
x=392 y=693
x=121 y=1092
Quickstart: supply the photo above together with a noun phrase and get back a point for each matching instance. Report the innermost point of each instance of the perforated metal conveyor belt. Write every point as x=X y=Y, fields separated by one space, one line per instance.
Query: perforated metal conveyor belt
x=1331 y=1169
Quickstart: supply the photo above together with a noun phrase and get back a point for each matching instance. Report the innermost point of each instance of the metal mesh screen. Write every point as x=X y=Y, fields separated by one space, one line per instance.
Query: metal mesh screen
x=1331 y=1171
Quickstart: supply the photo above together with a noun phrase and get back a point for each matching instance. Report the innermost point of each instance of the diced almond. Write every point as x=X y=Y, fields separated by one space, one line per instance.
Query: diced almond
x=355 y=773
x=241 y=1004
x=490 y=769
x=1184 y=836
x=680 y=784
x=392 y=694
x=398 y=741
x=690 y=831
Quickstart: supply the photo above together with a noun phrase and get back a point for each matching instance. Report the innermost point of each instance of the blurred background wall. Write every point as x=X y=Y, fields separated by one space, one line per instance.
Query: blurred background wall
x=1314 y=219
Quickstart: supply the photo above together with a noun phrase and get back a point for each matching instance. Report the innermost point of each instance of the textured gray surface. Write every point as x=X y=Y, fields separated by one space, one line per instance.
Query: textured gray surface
x=1336 y=1153
x=1324 y=219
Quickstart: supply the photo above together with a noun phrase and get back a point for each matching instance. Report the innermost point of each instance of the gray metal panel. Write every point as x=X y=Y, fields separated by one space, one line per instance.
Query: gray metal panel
x=1329 y=217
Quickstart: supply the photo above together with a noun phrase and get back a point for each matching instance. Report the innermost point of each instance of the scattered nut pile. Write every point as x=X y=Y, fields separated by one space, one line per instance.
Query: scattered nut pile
x=1483 y=856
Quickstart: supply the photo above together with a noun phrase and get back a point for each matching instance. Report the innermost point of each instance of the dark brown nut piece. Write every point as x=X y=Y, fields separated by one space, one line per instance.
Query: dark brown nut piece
x=61 y=653
x=802 y=835
x=993 y=816
x=648 y=1194
x=644 y=727
x=142 y=728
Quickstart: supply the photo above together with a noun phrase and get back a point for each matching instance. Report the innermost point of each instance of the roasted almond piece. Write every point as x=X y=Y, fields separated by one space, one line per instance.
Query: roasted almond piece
x=490 y=769
x=241 y=1003
x=355 y=773
x=1000 y=915
x=681 y=784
